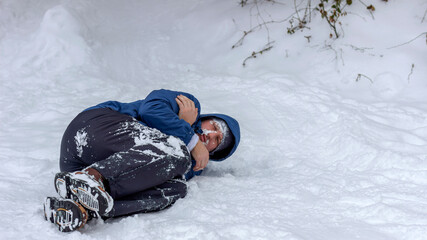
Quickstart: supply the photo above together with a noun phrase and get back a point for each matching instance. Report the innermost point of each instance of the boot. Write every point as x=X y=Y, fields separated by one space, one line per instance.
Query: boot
x=67 y=214
x=85 y=189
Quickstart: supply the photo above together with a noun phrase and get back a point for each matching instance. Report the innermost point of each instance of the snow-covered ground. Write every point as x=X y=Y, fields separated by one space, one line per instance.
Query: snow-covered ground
x=322 y=156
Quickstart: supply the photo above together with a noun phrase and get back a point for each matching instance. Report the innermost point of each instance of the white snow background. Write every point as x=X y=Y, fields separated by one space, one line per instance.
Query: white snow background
x=322 y=156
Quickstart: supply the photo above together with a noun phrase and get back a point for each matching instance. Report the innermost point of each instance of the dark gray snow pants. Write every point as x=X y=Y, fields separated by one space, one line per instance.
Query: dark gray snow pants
x=144 y=168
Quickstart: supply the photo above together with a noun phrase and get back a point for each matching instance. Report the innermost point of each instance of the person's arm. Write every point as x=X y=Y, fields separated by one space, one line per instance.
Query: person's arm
x=173 y=113
x=187 y=109
x=161 y=110
x=188 y=112
x=200 y=155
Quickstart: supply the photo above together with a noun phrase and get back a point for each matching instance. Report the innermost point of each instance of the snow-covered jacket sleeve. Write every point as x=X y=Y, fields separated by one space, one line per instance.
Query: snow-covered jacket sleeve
x=160 y=110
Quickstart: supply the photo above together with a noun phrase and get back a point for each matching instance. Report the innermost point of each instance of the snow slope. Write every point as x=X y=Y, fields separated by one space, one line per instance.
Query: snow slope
x=322 y=156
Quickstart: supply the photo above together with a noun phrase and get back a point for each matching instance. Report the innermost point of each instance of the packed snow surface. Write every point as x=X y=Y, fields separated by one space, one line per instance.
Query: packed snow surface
x=334 y=131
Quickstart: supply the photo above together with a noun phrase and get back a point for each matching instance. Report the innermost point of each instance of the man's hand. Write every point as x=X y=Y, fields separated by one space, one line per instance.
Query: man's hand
x=187 y=109
x=200 y=155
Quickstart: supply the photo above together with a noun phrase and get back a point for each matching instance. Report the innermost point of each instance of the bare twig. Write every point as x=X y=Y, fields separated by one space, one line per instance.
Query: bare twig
x=424 y=17
x=342 y=30
x=301 y=22
x=357 y=15
x=296 y=9
x=263 y=21
x=264 y=24
x=412 y=71
x=329 y=47
x=367 y=7
x=424 y=33
x=245 y=33
x=266 y=48
x=359 y=49
x=359 y=76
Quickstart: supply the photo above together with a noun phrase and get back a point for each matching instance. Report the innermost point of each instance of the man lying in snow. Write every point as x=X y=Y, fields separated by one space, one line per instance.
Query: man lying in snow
x=124 y=158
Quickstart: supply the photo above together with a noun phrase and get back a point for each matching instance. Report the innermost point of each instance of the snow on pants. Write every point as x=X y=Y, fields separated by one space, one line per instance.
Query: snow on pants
x=144 y=168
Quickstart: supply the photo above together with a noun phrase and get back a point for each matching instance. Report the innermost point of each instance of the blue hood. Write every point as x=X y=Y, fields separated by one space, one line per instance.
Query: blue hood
x=235 y=130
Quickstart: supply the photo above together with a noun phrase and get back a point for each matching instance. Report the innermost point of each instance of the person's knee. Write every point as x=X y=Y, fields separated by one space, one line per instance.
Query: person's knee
x=182 y=165
x=66 y=165
x=185 y=160
x=181 y=188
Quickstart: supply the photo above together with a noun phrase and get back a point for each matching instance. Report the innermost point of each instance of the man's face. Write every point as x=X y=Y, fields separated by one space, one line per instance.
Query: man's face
x=211 y=136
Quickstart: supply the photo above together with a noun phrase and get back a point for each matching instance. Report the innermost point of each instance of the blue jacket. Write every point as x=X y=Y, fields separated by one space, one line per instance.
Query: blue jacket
x=160 y=110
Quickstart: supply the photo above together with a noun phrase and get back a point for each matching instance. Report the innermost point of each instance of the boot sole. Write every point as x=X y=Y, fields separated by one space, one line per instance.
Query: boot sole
x=75 y=215
x=86 y=191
